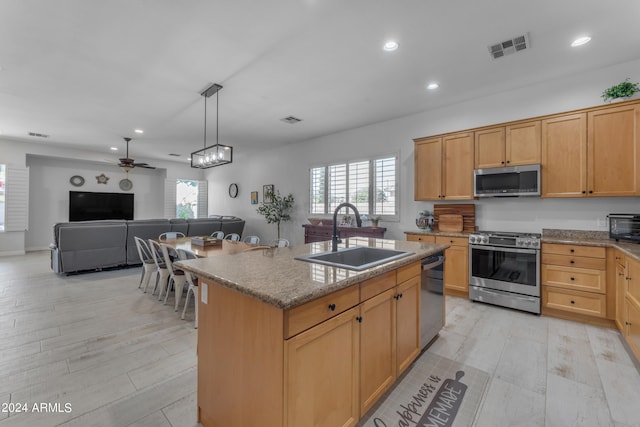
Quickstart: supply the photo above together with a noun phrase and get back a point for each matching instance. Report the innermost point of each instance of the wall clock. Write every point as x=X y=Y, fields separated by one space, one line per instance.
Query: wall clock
x=126 y=184
x=233 y=191
x=76 y=181
x=102 y=179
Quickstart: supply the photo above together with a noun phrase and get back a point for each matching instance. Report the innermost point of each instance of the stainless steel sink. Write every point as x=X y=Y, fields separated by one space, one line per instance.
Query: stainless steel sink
x=358 y=258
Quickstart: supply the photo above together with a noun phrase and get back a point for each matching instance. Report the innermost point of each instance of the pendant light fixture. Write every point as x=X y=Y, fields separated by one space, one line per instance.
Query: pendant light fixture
x=217 y=154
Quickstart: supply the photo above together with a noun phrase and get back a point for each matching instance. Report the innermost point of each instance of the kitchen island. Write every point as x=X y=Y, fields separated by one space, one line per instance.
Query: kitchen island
x=284 y=342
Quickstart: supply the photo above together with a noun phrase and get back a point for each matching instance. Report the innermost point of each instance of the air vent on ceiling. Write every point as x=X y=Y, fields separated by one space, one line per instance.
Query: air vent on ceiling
x=291 y=120
x=510 y=46
x=39 y=135
x=174 y=155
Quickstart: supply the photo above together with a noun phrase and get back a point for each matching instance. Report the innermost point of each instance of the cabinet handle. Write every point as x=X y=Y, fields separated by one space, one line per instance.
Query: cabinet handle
x=395 y=297
x=572 y=262
x=359 y=319
x=419 y=238
x=573 y=278
x=400 y=295
x=502 y=163
x=572 y=250
x=573 y=302
x=332 y=307
x=590 y=191
x=620 y=274
x=508 y=161
x=627 y=278
x=584 y=192
x=627 y=323
x=450 y=241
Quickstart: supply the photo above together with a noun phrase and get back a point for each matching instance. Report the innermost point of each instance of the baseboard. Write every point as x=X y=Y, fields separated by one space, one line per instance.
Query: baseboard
x=11 y=253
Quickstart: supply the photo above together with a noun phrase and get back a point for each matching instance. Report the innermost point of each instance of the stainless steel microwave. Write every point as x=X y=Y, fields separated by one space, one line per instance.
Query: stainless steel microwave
x=624 y=227
x=511 y=181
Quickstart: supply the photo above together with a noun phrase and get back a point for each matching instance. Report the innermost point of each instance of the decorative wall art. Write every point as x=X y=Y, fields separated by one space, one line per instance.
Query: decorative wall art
x=76 y=181
x=267 y=191
x=254 y=197
x=102 y=179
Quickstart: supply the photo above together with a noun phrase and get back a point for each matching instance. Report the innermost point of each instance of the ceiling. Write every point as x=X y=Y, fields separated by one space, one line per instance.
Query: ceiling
x=88 y=73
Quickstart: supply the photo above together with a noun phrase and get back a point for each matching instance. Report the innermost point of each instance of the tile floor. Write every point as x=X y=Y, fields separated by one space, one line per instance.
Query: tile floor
x=121 y=358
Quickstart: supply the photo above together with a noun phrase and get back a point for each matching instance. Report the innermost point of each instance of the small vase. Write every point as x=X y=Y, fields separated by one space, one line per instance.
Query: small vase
x=374 y=223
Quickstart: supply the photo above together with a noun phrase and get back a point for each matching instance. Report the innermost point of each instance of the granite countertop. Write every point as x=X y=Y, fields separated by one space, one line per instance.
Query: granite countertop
x=439 y=233
x=275 y=277
x=590 y=238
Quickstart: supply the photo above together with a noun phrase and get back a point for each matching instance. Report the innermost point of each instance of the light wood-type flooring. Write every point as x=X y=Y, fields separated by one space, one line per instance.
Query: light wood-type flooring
x=117 y=357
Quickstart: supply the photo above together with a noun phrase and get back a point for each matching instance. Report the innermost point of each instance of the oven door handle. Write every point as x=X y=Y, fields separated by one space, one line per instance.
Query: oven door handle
x=501 y=249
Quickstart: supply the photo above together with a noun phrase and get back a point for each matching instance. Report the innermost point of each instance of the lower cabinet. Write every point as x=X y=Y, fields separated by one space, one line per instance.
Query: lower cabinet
x=321 y=387
x=338 y=369
x=621 y=284
x=456 y=265
x=631 y=327
x=574 y=280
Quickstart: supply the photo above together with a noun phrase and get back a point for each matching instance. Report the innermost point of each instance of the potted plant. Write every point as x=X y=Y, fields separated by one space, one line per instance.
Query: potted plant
x=278 y=209
x=374 y=221
x=625 y=89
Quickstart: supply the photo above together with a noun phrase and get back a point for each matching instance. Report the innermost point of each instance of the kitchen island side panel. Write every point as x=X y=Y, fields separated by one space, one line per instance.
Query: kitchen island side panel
x=240 y=359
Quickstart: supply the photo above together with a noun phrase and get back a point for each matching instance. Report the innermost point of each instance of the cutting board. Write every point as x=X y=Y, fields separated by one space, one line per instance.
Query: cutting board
x=468 y=212
x=452 y=223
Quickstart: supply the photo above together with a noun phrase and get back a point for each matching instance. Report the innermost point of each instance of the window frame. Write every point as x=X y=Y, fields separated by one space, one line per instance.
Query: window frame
x=372 y=185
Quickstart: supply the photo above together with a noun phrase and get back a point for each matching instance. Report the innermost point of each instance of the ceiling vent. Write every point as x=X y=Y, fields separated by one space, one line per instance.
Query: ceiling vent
x=291 y=120
x=39 y=135
x=510 y=46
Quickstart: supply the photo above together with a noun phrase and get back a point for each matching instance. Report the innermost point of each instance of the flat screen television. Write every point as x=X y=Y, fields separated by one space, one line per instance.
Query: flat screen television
x=88 y=206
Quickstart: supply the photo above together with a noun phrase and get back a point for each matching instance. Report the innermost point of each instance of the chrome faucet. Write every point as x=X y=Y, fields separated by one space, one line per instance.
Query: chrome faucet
x=335 y=239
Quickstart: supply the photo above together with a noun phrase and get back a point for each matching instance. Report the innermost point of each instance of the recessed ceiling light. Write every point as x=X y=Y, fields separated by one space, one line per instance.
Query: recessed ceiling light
x=390 y=46
x=138 y=131
x=432 y=86
x=580 y=41
x=114 y=148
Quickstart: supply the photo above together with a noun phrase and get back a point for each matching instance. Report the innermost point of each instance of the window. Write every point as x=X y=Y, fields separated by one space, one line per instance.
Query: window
x=369 y=185
x=185 y=198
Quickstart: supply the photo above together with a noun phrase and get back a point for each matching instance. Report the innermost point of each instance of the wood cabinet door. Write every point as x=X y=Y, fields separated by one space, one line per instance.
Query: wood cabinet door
x=428 y=169
x=564 y=156
x=633 y=280
x=621 y=284
x=523 y=143
x=377 y=347
x=456 y=267
x=458 y=166
x=632 y=330
x=322 y=372
x=489 y=148
x=407 y=323
x=613 y=151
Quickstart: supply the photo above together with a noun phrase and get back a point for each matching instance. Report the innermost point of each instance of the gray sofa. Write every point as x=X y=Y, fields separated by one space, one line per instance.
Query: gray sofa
x=91 y=245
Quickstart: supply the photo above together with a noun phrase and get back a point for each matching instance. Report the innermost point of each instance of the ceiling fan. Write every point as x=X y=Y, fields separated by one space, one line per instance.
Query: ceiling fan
x=126 y=164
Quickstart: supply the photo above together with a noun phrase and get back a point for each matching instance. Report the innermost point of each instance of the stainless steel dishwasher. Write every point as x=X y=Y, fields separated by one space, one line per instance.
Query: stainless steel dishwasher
x=431 y=298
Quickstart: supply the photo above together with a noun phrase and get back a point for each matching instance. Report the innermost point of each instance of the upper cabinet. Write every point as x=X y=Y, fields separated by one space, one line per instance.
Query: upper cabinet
x=444 y=167
x=564 y=156
x=592 y=154
x=613 y=151
x=512 y=145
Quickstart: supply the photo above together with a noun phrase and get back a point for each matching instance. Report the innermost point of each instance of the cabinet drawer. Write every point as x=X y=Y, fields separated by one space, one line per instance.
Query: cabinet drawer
x=304 y=316
x=582 y=279
x=453 y=241
x=574 y=261
x=408 y=271
x=586 y=303
x=421 y=238
x=377 y=285
x=574 y=250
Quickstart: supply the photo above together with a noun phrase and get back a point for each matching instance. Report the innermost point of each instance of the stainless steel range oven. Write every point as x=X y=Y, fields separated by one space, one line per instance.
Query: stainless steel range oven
x=504 y=269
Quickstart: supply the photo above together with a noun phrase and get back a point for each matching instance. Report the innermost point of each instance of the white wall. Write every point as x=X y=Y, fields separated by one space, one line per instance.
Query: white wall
x=287 y=167
x=49 y=171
